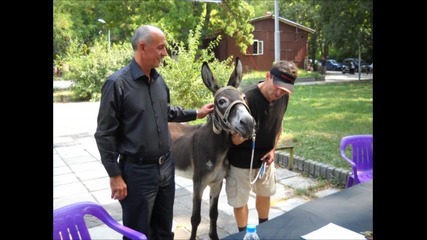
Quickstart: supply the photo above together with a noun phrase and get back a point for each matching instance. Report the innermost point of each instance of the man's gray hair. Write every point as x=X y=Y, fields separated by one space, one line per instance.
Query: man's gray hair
x=143 y=33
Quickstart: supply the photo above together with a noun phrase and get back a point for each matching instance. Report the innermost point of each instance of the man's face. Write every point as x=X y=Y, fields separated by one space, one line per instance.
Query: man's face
x=155 y=51
x=274 y=92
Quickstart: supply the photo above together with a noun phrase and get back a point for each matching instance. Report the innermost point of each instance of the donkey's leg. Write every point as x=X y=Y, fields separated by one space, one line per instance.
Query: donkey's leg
x=197 y=202
x=213 y=210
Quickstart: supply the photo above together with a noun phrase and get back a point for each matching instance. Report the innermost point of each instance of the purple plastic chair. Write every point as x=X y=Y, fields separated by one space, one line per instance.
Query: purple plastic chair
x=362 y=158
x=69 y=222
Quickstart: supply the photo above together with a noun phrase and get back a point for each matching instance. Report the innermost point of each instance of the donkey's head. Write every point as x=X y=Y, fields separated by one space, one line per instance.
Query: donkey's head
x=231 y=112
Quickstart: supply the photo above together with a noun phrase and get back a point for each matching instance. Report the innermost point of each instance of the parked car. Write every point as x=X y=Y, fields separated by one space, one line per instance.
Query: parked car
x=333 y=65
x=351 y=65
x=348 y=67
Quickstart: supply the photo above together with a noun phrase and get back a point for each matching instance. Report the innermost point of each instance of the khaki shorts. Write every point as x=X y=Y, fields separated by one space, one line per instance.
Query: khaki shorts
x=238 y=185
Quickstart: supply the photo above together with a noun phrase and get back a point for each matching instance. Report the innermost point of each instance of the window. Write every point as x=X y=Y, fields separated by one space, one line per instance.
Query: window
x=257 y=48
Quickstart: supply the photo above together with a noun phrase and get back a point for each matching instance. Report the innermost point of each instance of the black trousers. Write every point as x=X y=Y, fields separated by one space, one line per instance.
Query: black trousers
x=148 y=208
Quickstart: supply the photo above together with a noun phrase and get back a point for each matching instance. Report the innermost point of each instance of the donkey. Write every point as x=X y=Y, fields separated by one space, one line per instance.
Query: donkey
x=200 y=151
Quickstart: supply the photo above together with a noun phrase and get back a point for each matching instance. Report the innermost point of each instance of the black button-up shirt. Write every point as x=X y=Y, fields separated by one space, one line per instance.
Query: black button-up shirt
x=133 y=116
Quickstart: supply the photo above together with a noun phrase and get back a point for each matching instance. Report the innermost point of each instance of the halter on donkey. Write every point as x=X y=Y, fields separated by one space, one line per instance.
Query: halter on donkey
x=200 y=151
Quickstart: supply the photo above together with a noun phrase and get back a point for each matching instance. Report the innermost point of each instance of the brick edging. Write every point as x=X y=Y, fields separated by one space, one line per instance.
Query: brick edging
x=313 y=168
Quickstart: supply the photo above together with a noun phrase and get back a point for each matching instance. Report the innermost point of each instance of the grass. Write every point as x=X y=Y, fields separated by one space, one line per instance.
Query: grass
x=309 y=193
x=318 y=116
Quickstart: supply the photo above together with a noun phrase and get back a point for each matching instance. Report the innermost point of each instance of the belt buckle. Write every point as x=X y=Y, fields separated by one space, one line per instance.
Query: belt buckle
x=162 y=159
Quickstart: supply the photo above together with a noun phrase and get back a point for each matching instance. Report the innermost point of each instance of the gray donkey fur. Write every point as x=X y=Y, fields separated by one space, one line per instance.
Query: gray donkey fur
x=200 y=151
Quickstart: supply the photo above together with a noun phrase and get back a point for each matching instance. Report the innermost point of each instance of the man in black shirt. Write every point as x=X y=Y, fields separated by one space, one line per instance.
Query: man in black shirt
x=133 y=137
x=268 y=101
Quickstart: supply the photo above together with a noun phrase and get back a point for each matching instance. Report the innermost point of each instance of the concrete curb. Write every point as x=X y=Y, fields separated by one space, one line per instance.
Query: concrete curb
x=314 y=169
x=310 y=79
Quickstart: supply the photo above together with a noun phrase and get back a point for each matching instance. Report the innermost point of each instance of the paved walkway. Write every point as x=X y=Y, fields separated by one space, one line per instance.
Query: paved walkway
x=80 y=176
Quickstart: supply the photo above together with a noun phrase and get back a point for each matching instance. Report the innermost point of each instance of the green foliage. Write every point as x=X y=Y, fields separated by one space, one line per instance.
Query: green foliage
x=89 y=67
x=233 y=19
x=175 y=18
x=182 y=71
x=79 y=20
x=261 y=7
x=340 y=26
x=348 y=24
x=62 y=28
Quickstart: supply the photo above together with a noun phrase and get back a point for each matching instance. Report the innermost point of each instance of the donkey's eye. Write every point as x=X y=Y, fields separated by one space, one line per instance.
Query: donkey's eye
x=222 y=101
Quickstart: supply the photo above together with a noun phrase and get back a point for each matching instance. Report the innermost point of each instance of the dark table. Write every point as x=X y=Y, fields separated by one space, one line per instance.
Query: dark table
x=350 y=208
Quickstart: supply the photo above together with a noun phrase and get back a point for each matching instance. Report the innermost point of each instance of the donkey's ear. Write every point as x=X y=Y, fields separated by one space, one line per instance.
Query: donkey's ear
x=236 y=76
x=208 y=78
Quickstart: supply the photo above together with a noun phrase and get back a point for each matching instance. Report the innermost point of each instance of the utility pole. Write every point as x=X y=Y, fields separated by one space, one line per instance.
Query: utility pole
x=276 y=32
x=359 y=70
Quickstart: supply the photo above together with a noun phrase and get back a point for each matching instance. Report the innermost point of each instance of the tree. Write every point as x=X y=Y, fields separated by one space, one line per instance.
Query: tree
x=62 y=27
x=340 y=25
x=348 y=24
x=305 y=12
x=79 y=20
x=232 y=17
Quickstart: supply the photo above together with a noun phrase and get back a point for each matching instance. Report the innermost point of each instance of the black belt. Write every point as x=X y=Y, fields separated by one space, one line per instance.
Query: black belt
x=145 y=160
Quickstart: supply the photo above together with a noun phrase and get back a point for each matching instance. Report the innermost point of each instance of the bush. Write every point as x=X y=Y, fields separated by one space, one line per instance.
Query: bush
x=89 y=68
x=182 y=71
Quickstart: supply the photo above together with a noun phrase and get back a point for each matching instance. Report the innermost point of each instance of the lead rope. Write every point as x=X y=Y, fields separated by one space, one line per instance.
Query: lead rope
x=252 y=160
